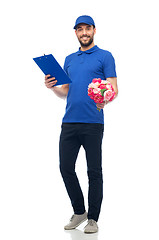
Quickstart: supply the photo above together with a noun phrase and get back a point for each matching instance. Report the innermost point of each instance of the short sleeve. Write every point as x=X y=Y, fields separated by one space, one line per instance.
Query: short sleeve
x=66 y=65
x=109 y=67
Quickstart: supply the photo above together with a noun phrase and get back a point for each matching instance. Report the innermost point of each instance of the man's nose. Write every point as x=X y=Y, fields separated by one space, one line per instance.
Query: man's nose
x=84 y=32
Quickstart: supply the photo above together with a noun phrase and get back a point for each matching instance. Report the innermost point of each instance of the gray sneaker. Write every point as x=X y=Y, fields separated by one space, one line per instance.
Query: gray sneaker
x=91 y=227
x=75 y=221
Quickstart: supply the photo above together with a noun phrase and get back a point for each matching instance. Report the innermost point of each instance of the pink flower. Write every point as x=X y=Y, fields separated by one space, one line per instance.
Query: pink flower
x=109 y=86
x=92 y=96
x=92 y=85
x=98 y=98
x=97 y=80
x=90 y=93
x=112 y=96
x=102 y=86
x=103 y=81
x=108 y=95
x=96 y=90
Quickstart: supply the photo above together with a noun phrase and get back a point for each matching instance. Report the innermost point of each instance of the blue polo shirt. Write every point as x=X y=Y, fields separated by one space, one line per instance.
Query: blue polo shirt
x=82 y=67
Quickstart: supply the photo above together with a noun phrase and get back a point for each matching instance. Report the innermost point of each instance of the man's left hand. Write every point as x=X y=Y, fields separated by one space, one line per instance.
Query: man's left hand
x=101 y=105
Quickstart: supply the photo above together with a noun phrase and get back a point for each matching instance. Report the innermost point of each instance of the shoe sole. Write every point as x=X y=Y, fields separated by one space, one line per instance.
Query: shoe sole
x=71 y=228
x=90 y=232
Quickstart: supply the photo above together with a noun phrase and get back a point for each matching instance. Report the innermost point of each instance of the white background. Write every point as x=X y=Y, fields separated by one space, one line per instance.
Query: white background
x=33 y=200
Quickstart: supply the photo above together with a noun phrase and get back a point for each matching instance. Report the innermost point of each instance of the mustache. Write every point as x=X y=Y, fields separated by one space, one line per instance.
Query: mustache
x=84 y=36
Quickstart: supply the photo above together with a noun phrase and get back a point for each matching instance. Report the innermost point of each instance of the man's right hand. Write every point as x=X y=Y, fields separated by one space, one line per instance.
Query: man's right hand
x=49 y=84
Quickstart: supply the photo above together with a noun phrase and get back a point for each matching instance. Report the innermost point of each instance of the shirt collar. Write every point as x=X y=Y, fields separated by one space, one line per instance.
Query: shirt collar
x=91 y=50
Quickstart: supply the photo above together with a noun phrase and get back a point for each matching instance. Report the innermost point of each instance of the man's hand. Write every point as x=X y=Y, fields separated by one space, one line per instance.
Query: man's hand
x=61 y=91
x=49 y=84
x=101 y=105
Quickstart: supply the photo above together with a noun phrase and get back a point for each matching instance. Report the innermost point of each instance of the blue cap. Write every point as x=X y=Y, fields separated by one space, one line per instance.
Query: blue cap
x=84 y=19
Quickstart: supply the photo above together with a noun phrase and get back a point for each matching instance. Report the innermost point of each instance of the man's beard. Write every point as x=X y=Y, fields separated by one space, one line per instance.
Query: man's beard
x=86 y=44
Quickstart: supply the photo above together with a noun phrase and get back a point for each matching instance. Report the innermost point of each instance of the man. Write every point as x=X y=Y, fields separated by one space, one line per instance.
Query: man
x=83 y=124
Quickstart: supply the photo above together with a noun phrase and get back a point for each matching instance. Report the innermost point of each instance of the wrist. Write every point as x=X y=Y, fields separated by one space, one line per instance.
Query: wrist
x=53 y=88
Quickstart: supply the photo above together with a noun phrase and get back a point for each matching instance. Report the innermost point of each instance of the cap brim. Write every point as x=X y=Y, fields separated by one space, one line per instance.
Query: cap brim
x=88 y=23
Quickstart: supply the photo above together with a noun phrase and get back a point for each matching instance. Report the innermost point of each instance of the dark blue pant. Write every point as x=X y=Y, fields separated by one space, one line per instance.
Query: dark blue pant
x=88 y=135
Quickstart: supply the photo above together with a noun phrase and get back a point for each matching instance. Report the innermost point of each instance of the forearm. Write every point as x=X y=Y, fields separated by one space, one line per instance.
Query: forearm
x=60 y=92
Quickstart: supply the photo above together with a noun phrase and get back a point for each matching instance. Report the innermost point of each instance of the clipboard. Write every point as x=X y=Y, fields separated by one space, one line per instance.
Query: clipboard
x=49 y=65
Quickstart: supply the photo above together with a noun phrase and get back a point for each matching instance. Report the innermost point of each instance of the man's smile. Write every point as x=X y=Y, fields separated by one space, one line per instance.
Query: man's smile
x=85 y=37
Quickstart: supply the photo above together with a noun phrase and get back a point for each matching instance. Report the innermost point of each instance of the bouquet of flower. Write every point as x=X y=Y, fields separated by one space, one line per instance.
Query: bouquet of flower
x=100 y=91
